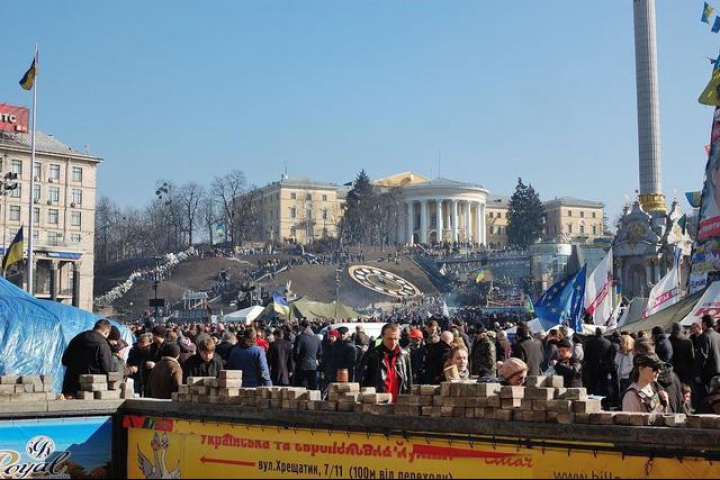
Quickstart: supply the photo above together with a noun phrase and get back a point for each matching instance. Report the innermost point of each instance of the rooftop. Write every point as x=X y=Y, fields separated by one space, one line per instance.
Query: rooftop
x=44 y=143
x=303 y=183
x=573 y=202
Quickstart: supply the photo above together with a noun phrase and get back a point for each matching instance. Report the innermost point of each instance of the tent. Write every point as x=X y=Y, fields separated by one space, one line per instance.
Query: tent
x=308 y=308
x=34 y=333
x=664 y=318
x=709 y=304
x=246 y=315
x=275 y=311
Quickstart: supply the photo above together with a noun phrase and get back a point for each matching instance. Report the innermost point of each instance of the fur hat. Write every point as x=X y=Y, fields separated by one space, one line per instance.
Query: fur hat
x=512 y=366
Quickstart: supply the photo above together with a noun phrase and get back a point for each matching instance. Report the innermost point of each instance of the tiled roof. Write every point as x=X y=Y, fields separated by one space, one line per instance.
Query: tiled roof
x=44 y=143
x=573 y=202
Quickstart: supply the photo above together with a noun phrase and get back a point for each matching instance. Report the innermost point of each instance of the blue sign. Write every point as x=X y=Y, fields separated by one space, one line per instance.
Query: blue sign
x=56 y=448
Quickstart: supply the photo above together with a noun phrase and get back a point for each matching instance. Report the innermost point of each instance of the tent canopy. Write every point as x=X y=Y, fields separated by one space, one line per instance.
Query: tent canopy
x=664 y=318
x=246 y=315
x=34 y=333
x=308 y=308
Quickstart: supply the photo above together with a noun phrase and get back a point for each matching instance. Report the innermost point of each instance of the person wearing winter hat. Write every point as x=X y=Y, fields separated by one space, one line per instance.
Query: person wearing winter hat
x=663 y=347
x=567 y=365
x=187 y=349
x=166 y=377
x=513 y=371
x=644 y=394
x=417 y=350
x=118 y=352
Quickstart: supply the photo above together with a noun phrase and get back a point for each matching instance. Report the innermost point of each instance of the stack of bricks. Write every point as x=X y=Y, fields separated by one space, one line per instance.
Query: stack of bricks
x=224 y=389
x=26 y=388
x=104 y=387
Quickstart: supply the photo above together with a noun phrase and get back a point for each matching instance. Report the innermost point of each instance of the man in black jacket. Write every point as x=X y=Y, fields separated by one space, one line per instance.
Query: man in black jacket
x=528 y=350
x=205 y=363
x=683 y=354
x=279 y=359
x=387 y=366
x=435 y=358
x=599 y=365
x=306 y=352
x=663 y=346
x=707 y=355
x=87 y=353
x=344 y=353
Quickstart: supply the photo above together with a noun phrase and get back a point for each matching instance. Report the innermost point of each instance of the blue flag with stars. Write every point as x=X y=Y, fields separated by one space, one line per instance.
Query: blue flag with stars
x=563 y=302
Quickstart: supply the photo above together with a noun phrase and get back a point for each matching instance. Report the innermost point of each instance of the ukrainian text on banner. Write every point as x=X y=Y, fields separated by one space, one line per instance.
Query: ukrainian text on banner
x=665 y=293
x=56 y=448
x=171 y=448
x=706 y=253
x=709 y=304
x=598 y=291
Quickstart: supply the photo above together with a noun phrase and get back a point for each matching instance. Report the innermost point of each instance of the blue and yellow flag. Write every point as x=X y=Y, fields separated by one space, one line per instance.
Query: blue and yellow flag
x=14 y=253
x=707 y=13
x=480 y=276
x=28 y=80
x=694 y=198
x=716 y=26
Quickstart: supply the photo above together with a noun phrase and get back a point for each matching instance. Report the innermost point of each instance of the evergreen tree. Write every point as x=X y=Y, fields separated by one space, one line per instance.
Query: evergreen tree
x=357 y=223
x=525 y=216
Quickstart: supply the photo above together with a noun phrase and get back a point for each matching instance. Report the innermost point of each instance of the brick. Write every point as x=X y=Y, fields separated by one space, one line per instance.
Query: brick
x=602 y=418
x=228 y=392
x=211 y=382
x=504 y=415
x=87 y=378
x=229 y=383
x=81 y=395
x=30 y=380
x=94 y=387
x=384 y=409
x=540 y=393
x=486 y=389
x=368 y=390
x=407 y=410
x=345 y=406
x=455 y=402
x=114 y=376
x=199 y=381
x=29 y=397
x=575 y=394
x=445 y=389
x=29 y=387
x=512 y=392
x=560 y=406
x=316 y=395
x=298 y=394
x=408 y=400
x=344 y=387
x=263 y=403
x=526 y=404
x=432 y=411
x=107 y=395
x=429 y=390
x=9 y=379
x=676 y=420
x=711 y=422
x=183 y=389
x=539 y=416
x=364 y=408
x=640 y=419
x=524 y=416
x=20 y=388
x=554 y=381
x=353 y=396
x=456 y=389
x=277 y=403
x=114 y=385
x=511 y=403
x=622 y=418
x=587 y=406
x=535 y=381
x=6 y=389
x=552 y=417
x=446 y=411
x=493 y=402
x=566 y=418
x=48 y=387
x=540 y=405
x=230 y=374
x=582 y=418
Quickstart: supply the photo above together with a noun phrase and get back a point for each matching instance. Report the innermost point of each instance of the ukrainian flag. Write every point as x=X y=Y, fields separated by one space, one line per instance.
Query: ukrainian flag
x=14 y=253
x=707 y=13
x=480 y=276
x=28 y=80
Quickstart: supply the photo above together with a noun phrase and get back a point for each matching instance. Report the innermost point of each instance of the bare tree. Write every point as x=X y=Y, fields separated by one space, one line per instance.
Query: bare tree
x=209 y=215
x=188 y=197
x=227 y=190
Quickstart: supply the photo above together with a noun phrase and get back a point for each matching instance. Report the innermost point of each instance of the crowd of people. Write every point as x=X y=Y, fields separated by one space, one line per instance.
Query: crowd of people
x=654 y=372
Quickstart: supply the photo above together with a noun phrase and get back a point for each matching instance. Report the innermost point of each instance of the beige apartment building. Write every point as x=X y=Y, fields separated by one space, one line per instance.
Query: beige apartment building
x=574 y=219
x=64 y=207
x=297 y=209
x=497 y=220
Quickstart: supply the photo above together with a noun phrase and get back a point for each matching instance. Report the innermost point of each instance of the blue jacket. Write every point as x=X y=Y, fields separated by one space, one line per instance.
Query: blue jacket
x=253 y=363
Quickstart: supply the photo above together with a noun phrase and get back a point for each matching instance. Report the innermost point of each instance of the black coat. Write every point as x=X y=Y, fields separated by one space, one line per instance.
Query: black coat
x=343 y=357
x=373 y=369
x=87 y=353
x=435 y=361
x=195 y=366
x=664 y=348
x=707 y=356
x=224 y=350
x=531 y=352
x=571 y=371
x=417 y=360
x=599 y=362
x=670 y=382
x=307 y=351
x=683 y=357
x=280 y=361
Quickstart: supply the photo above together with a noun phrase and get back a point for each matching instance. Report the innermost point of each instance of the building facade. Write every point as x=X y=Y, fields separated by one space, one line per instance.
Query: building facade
x=574 y=219
x=64 y=206
x=297 y=210
x=497 y=220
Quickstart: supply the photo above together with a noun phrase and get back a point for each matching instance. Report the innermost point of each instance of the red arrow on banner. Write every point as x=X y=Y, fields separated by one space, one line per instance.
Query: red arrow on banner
x=204 y=459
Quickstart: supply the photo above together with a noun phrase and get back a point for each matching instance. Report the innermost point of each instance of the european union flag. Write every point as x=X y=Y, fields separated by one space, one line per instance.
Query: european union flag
x=716 y=25
x=563 y=302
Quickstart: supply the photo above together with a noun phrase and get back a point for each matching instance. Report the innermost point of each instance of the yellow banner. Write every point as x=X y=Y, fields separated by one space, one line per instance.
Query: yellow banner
x=192 y=449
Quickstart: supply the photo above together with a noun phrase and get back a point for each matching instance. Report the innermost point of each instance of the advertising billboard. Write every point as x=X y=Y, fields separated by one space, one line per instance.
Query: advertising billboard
x=14 y=119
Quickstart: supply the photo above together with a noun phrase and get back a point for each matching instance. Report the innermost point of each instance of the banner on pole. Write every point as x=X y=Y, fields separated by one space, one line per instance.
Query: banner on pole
x=598 y=291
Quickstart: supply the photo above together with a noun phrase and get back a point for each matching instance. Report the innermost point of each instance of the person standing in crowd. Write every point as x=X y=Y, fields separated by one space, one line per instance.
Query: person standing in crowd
x=386 y=366
x=326 y=362
x=223 y=349
x=663 y=346
x=550 y=349
x=503 y=349
x=250 y=358
x=280 y=359
x=707 y=355
x=455 y=367
x=436 y=357
x=158 y=335
x=205 y=363
x=528 y=350
x=119 y=349
x=599 y=365
x=644 y=395
x=136 y=362
x=306 y=353
x=361 y=339
x=418 y=351
x=512 y=372
x=567 y=365
x=624 y=363
x=343 y=357
x=167 y=375
x=683 y=354
x=483 y=353
x=87 y=353
x=187 y=349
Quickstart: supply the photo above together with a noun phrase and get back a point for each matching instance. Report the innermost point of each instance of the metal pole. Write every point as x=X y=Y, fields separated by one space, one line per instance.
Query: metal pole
x=31 y=240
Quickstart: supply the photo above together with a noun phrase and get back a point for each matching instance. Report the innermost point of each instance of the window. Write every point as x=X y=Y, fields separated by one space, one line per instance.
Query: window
x=569 y=213
x=77 y=174
x=555 y=229
x=76 y=219
x=36 y=236
x=16 y=193
x=36 y=213
x=293 y=196
x=15 y=213
x=308 y=196
x=570 y=228
x=17 y=167
x=54 y=172
x=582 y=214
x=37 y=171
x=77 y=197
x=324 y=197
x=292 y=212
x=54 y=194
x=308 y=214
x=594 y=229
x=292 y=231
x=593 y=214
x=36 y=192
x=53 y=216
x=582 y=228
x=54 y=239
x=324 y=214
x=75 y=238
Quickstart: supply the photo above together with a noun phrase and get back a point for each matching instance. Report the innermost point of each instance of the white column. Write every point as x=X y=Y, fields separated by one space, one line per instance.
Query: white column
x=439 y=216
x=483 y=224
x=454 y=220
x=410 y=223
x=468 y=231
x=423 y=221
x=478 y=232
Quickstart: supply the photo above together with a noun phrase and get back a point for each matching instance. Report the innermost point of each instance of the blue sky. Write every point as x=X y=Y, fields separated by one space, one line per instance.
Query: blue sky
x=189 y=90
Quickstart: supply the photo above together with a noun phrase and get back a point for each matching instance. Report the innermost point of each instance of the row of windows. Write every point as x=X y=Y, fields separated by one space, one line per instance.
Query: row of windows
x=53 y=216
x=308 y=196
x=16 y=166
x=582 y=229
x=497 y=230
x=308 y=213
x=294 y=229
x=54 y=239
x=582 y=214
x=53 y=194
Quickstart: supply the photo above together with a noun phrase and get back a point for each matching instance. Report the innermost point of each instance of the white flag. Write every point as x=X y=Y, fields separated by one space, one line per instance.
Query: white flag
x=598 y=291
x=665 y=293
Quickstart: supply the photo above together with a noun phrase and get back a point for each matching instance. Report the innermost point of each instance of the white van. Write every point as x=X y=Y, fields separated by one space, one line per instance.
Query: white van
x=372 y=329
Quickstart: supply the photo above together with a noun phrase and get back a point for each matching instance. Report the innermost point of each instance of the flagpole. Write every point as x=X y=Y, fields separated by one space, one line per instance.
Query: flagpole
x=31 y=240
